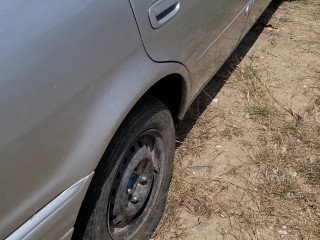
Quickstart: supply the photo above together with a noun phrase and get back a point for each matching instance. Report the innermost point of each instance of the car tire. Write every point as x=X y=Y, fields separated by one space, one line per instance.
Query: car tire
x=130 y=186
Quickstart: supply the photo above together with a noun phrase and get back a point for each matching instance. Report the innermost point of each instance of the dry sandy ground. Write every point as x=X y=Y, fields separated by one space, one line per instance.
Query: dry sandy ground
x=248 y=161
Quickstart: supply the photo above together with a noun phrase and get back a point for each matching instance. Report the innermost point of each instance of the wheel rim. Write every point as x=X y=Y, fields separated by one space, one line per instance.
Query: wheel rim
x=136 y=183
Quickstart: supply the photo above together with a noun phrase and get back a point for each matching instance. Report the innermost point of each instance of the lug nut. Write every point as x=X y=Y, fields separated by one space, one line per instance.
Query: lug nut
x=134 y=200
x=143 y=180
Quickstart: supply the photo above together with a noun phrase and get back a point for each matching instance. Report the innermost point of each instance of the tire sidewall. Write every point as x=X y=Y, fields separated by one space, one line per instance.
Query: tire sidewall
x=150 y=114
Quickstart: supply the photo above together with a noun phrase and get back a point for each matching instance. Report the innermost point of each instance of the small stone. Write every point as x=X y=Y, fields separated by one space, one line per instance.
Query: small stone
x=284 y=149
x=216 y=100
x=312 y=159
x=283 y=232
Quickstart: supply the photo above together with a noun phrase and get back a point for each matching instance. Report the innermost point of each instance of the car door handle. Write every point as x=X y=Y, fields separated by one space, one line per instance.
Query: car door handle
x=162 y=11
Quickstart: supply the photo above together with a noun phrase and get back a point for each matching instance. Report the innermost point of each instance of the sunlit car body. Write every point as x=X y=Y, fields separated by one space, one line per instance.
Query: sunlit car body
x=71 y=71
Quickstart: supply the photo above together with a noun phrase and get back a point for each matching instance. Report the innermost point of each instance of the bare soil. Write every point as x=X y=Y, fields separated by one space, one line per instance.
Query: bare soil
x=248 y=158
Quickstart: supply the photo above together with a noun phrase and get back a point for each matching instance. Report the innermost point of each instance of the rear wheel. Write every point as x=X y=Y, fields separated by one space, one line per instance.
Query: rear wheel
x=135 y=175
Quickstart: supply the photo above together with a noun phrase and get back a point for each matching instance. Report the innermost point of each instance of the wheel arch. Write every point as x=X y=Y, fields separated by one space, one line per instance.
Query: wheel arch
x=172 y=91
x=171 y=85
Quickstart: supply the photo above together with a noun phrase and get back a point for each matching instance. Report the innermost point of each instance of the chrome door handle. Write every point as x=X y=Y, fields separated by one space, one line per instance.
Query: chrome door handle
x=162 y=11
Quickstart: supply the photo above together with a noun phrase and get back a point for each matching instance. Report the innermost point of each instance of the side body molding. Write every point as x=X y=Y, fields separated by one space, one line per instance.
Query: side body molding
x=51 y=222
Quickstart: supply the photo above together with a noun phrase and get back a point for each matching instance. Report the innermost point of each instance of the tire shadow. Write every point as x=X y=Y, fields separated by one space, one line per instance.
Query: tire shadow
x=214 y=86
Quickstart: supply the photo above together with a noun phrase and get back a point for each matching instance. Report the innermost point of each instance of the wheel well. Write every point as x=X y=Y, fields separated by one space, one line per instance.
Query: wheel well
x=170 y=90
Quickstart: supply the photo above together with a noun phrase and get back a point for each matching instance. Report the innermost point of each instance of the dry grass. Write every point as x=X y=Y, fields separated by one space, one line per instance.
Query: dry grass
x=277 y=188
x=271 y=193
x=287 y=185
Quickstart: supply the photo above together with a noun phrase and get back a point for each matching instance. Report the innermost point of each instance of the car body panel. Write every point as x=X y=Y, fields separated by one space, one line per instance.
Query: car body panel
x=64 y=67
x=51 y=222
x=201 y=35
x=70 y=72
x=67 y=235
x=257 y=7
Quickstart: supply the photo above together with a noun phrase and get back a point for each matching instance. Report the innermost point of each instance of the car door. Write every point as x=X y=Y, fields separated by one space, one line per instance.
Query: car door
x=200 y=34
x=256 y=8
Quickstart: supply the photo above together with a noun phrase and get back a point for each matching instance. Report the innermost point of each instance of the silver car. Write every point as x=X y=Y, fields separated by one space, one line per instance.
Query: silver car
x=90 y=92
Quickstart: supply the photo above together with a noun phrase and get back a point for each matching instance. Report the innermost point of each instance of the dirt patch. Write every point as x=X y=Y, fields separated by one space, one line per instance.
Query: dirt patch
x=248 y=161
